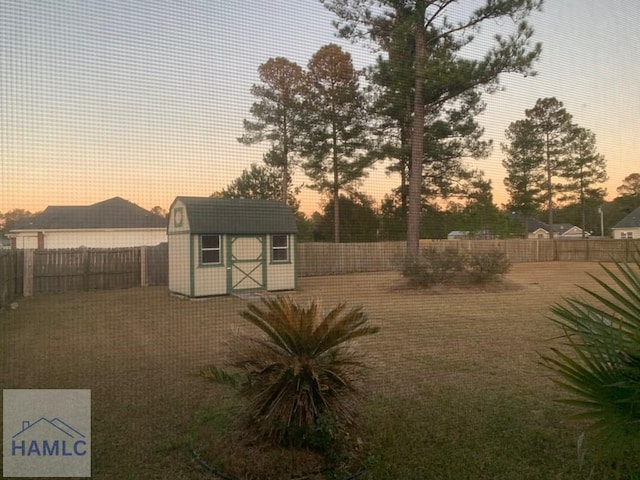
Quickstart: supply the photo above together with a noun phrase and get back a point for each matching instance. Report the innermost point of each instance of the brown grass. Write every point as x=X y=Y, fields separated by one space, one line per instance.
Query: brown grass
x=139 y=351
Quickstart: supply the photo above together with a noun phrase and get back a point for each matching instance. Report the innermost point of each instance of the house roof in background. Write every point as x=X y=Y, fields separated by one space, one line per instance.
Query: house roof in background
x=113 y=213
x=560 y=228
x=238 y=216
x=630 y=221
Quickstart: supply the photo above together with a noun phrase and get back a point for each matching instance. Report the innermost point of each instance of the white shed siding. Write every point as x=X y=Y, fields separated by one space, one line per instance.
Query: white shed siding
x=281 y=276
x=178 y=221
x=179 y=269
x=208 y=279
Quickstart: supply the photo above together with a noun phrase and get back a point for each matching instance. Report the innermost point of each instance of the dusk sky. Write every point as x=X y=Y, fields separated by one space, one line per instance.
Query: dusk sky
x=145 y=99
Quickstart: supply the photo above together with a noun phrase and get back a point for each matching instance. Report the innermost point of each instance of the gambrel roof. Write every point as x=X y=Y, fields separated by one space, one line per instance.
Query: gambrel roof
x=113 y=213
x=630 y=221
x=237 y=216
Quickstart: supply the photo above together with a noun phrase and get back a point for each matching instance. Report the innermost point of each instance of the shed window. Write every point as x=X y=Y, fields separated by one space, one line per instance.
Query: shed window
x=280 y=248
x=210 y=248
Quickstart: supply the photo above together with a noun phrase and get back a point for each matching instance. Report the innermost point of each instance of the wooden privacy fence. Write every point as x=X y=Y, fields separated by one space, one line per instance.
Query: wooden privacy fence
x=10 y=276
x=30 y=272
x=48 y=271
x=336 y=258
x=331 y=258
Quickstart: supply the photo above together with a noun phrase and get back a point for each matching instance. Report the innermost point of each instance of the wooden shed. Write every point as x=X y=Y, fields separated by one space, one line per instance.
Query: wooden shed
x=220 y=246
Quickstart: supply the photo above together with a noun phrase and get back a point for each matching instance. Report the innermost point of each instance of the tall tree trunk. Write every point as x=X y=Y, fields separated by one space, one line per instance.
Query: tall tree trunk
x=417 y=136
x=550 y=187
x=285 y=165
x=336 y=191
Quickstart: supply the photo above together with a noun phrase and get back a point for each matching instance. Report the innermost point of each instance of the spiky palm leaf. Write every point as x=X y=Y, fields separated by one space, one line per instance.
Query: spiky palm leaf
x=303 y=367
x=603 y=373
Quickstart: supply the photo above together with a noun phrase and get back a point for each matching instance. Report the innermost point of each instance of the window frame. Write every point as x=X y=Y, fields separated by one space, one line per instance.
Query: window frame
x=204 y=249
x=280 y=249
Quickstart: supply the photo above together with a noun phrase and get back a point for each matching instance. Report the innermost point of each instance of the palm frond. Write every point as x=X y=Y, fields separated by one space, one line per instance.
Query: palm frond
x=303 y=367
x=601 y=369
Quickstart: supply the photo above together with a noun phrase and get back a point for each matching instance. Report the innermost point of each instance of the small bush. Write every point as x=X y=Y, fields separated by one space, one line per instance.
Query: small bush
x=487 y=267
x=300 y=376
x=454 y=267
x=433 y=267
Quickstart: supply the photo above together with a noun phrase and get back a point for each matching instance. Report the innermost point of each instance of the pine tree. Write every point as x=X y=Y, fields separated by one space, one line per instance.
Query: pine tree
x=524 y=162
x=552 y=125
x=276 y=114
x=583 y=170
x=428 y=24
x=334 y=130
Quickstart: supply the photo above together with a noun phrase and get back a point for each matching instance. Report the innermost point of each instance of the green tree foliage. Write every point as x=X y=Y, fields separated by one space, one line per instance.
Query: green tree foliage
x=259 y=181
x=276 y=115
x=452 y=137
x=335 y=126
x=10 y=218
x=264 y=182
x=302 y=372
x=481 y=216
x=584 y=171
x=552 y=125
x=602 y=370
x=393 y=219
x=630 y=186
x=425 y=28
x=358 y=220
x=552 y=160
x=524 y=159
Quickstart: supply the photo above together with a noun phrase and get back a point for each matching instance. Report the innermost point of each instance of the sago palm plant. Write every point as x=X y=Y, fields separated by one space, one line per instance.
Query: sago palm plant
x=602 y=368
x=301 y=374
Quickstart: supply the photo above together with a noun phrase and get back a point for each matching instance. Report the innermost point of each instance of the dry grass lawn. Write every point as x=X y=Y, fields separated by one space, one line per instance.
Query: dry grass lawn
x=139 y=351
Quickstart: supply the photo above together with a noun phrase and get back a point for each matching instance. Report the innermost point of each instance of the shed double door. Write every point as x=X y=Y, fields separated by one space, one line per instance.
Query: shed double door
x=247 y=263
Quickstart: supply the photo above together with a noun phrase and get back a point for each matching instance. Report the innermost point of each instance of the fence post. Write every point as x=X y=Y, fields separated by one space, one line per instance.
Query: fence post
x=144 y=279
x=27 y=273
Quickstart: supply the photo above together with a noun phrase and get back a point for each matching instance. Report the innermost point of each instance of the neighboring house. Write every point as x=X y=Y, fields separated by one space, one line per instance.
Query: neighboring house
x=5 y=242
x=540 y=230
x=628 y=227
x=220 y=246
x=113 y=223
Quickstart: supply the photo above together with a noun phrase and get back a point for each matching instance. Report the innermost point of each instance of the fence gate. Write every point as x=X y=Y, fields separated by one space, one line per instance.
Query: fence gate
x=247 y=265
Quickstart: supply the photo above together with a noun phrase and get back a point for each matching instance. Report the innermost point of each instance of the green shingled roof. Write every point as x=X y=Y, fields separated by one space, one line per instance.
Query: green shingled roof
x=238 y=216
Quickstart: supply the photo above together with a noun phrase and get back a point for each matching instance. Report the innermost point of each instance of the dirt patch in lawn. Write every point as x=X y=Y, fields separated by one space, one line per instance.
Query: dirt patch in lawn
x=140 y=350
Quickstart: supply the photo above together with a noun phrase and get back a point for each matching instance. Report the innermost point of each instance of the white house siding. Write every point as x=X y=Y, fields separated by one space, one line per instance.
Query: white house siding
x=635 y=233
x=281 y=276
x=27 y=241
x=92 y=238
x=208 y=279
x=179 y=269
